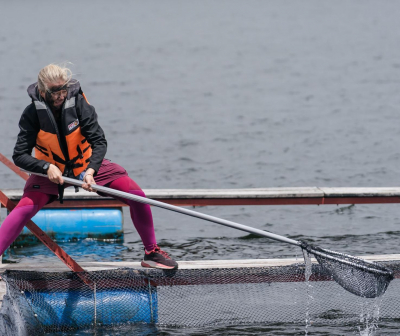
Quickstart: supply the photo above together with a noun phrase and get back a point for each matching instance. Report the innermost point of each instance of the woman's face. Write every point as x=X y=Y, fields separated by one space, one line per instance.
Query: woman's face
x=55 y=94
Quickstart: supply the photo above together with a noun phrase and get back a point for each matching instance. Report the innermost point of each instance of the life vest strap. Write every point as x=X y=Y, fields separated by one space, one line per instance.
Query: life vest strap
x=39 y=148
x=56 y=158
x=61 y=193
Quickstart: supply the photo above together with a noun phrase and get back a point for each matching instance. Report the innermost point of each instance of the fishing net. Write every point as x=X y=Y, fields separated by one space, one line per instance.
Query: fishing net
x=37 y=303
x=356 y=275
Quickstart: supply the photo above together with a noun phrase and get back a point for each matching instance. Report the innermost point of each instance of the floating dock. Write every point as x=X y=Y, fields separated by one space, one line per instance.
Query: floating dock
x=200 y=293
x=58 y=266
x=215 y=197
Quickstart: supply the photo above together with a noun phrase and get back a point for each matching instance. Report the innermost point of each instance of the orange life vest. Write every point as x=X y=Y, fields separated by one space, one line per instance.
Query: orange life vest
x=74 y=159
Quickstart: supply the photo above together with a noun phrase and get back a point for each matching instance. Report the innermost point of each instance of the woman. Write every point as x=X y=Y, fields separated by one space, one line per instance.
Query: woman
x=62 y=127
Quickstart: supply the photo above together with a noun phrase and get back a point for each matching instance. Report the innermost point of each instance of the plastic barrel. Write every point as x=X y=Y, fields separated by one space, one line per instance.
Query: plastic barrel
x=76 y=224
x=76 y=309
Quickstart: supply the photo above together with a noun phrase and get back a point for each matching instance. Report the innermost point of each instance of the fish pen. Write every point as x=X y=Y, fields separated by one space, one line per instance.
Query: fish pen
x=203 y=293
x=338 y=290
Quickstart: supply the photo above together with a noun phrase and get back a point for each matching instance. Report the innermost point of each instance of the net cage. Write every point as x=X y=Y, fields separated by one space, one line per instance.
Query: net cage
x=37 y=303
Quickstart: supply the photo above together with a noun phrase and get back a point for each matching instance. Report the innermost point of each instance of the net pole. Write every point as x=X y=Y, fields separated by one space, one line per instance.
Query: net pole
x=171 y=207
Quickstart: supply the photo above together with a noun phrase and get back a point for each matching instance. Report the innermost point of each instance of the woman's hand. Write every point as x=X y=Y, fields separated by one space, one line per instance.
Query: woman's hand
x=88 y=180
x=54 y=174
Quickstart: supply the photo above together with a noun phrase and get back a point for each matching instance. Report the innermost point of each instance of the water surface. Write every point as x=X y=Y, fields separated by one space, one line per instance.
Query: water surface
x=226 y=94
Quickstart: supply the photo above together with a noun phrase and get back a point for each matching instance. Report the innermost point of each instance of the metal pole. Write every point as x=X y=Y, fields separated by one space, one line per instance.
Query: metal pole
x=184 y=211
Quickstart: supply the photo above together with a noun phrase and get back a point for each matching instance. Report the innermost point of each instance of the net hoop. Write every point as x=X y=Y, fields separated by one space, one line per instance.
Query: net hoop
x=362 y=264
x=358 y=276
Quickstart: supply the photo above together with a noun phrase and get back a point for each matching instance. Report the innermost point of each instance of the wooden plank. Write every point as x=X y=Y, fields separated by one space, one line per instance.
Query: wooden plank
x=311 y=192
x=13 y=167
x=308 y=192
x=69 y=193
x=361 y=192
x=236 y=193
x=221 y=197
x=199 y=264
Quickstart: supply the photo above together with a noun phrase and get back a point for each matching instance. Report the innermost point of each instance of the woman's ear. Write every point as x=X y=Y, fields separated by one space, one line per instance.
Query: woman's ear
x=42 y=94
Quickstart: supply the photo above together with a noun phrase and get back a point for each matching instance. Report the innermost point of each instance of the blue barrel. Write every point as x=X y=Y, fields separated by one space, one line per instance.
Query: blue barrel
x=76 y=309
x=76 y=224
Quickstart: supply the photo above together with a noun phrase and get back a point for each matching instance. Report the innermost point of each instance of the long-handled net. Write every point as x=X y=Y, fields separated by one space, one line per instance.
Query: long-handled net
x=360 y=277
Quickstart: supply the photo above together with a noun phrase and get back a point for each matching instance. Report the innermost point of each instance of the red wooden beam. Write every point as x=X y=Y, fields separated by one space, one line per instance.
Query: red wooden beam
x=13 y=167
x=361 y=200
x=98 y=203
x=110 y=203
x=51 y=245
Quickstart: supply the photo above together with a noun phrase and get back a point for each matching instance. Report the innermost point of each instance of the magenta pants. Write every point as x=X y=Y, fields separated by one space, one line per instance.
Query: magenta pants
x=39 y=191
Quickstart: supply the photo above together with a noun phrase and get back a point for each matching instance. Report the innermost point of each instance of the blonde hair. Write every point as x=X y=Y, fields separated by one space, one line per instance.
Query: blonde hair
x=52 y=73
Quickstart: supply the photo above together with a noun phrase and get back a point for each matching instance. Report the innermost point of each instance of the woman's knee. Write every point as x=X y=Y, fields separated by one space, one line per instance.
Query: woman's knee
x=125 y=184
x=34 y=198
x=139 y=192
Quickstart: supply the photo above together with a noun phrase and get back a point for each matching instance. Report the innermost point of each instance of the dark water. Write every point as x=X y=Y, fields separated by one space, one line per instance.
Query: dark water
x=226 y=94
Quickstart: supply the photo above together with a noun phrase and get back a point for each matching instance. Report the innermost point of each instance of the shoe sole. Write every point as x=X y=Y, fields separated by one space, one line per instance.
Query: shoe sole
x=152 y=264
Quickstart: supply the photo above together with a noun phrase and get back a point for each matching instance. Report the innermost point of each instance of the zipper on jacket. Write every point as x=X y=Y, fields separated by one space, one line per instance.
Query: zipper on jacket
x=64 y=143
x=50 y=114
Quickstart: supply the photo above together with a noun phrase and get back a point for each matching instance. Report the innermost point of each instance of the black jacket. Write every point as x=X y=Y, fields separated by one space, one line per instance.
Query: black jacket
x=29 y=128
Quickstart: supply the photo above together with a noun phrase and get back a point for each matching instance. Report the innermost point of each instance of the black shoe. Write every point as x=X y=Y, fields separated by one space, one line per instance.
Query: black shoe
x=158 y=258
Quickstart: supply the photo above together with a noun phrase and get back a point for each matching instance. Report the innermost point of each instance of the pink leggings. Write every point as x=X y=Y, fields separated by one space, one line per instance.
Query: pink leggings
x=31 y=202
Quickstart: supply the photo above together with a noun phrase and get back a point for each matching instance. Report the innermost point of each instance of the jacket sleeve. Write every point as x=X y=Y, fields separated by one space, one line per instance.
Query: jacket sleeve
x=92 y=131
x=28 y=129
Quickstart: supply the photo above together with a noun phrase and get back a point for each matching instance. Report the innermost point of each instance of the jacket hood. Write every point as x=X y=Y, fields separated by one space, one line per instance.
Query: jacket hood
x=74 y=87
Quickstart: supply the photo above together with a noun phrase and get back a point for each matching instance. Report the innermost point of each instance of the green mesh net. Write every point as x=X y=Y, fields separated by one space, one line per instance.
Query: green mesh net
x=37 y=303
